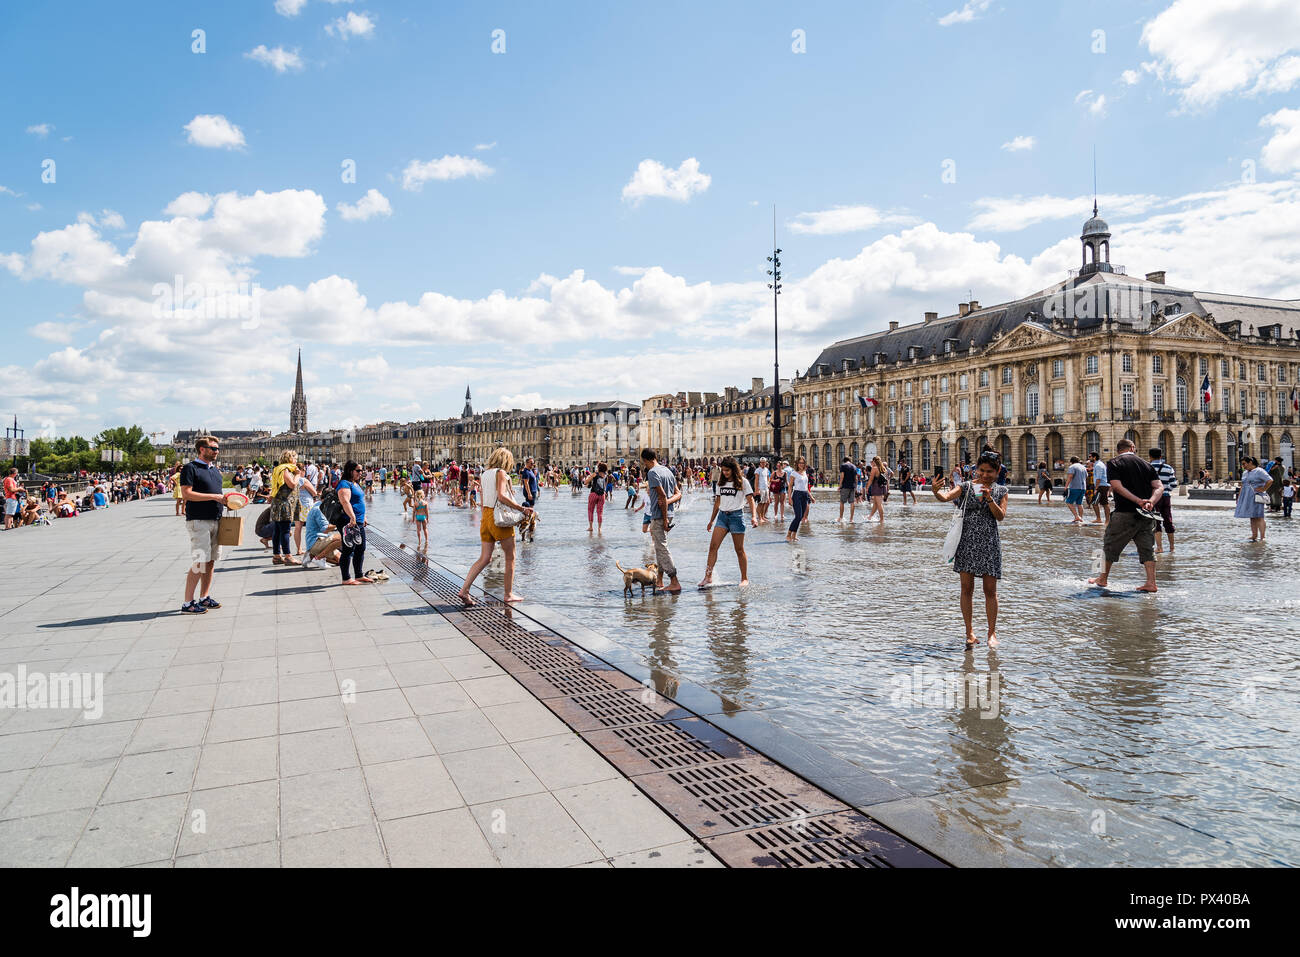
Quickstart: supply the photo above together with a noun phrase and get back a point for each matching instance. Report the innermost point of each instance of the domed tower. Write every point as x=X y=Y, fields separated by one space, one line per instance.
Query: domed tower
x=1096 y=245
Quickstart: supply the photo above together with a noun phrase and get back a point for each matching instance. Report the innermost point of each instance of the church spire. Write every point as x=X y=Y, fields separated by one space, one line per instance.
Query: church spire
x=469 y=409
x=298 y=405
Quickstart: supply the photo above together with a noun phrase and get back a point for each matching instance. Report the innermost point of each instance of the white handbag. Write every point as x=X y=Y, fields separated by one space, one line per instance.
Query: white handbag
x=953 y=539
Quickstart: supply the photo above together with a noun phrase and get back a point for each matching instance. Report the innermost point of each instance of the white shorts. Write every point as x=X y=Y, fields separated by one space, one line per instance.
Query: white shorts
x=11 y=506
x=203 y=540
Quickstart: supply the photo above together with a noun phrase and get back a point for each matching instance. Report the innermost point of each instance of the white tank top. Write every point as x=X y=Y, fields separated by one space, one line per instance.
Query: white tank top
x=488 y=479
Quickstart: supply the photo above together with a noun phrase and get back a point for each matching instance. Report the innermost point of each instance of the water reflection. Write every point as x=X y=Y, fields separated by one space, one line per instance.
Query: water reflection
x=1184 y=701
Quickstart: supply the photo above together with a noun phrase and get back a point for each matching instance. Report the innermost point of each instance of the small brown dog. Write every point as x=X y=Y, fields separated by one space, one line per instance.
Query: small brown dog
x=528 y=527
x=641 y=576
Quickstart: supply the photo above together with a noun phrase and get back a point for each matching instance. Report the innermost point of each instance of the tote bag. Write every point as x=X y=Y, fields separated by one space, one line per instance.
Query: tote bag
x=953 y=538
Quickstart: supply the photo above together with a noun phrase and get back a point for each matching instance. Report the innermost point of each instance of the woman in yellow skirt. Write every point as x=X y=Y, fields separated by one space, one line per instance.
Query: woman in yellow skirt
x=496 y=488
x=176 y=491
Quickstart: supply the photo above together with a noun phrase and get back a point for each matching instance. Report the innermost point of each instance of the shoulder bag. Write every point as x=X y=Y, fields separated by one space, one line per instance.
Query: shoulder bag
x=953 y=538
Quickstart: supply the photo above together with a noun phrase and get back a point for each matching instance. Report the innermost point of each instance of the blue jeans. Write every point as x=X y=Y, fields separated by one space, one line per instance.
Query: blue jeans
x=799 y=501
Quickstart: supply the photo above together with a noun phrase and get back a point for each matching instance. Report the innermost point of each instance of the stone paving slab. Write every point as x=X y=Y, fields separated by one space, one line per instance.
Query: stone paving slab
x=301 y=724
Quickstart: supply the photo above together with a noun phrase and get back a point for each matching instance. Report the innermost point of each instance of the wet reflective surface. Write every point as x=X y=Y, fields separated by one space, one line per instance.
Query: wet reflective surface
x=1107 y=727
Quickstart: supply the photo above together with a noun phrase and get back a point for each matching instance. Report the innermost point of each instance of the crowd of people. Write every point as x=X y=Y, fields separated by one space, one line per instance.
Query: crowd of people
x=315 y=512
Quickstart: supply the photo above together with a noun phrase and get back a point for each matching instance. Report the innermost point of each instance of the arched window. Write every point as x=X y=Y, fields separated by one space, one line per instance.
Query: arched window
x=963 y=450
x=889 y=452
x=813 y=464
x=1133 y=437
x=925 y=455
x=1091 y=442
x=826 y=457
x=839 y=452
x=1031 y=451
x=853 y=451
x=906 y=454
x=1182 y=394
x=1031 y=401
x=1265 y=447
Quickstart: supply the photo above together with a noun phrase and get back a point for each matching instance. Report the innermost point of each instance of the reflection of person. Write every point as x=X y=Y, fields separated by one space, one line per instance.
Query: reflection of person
x=979 y=550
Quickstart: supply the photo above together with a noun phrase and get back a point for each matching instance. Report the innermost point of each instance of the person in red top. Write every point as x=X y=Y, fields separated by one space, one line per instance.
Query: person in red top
x=11 y=497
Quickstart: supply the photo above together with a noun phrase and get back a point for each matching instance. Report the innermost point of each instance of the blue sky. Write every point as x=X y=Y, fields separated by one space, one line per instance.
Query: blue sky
x=597 y=200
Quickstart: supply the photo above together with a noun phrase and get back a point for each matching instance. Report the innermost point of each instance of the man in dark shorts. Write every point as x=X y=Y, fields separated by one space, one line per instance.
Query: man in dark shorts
x=848 y=485
x=464 y=486
x=905 y=481
x=1135 y=485
x=1101 y=497
x=1164 y=502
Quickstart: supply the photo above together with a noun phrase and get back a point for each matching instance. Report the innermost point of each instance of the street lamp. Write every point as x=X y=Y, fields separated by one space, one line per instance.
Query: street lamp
x=14 y=436
x=775 y=286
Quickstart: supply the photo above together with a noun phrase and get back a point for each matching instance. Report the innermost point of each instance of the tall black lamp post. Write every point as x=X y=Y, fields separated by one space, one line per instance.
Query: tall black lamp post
x=775 y=286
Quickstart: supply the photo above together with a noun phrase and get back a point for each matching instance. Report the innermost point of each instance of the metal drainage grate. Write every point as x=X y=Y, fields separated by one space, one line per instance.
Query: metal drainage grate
x=616 y=708
x=739 y=796
x=574 y=681
x=770 y=826
x=666 y=746
x=815 y=843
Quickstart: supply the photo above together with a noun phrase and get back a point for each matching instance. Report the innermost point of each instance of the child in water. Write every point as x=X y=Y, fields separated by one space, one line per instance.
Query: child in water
x=421 y=515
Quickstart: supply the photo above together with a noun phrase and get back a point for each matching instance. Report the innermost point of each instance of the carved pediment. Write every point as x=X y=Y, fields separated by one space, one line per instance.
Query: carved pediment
x=1190 y=326
x=1025 y=336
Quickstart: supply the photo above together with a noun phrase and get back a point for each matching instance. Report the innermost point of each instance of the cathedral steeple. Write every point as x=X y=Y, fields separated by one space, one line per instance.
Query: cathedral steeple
x=469 y=409
x=298 y=407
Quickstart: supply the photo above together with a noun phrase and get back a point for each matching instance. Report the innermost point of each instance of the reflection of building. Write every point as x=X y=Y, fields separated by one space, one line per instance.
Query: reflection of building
x=1065 y=371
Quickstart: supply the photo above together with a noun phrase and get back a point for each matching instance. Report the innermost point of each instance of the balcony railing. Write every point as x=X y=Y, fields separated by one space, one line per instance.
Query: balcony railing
x=1265 y=420
x=1212 y=417
x=1286 y=418
x=1092 y=416
x=1053 y=419
x=1232 y=418
x=1191 y=416
x=1001 y=422
x=1026 y=420
x=1165 y=415
x=1131 y=415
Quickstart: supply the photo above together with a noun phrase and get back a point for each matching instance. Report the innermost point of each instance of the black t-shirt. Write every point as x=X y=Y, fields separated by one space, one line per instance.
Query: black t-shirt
x=202 y=478
x=1135 y=474
x=848 y=476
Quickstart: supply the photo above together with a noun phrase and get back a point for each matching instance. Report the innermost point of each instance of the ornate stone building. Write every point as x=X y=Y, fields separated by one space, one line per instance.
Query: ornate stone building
x=740 y=423
x=1065 y=371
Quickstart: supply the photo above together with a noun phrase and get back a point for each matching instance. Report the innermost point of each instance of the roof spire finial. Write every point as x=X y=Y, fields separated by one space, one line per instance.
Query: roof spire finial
x=1094 y=179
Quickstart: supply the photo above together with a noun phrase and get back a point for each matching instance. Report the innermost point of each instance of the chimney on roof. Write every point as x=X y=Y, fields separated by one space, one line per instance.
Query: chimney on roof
x=756 y=385
x=1157 y=277
x=893 y=324
x=963 y=308
x=974 y=305
x=931 y=316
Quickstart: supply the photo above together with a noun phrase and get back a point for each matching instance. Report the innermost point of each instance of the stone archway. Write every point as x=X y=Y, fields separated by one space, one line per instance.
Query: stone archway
x=1187 y=456
x=1166 y=443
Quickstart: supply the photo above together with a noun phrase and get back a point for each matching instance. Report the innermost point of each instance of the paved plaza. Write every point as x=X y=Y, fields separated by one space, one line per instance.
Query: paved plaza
x=301 y=724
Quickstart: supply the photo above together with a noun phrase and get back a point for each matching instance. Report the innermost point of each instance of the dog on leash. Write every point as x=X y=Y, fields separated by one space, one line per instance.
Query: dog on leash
x=639 y=576
x=528 y=527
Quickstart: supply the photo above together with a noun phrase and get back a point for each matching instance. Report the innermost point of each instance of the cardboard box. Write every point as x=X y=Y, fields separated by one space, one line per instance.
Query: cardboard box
x=231 y=530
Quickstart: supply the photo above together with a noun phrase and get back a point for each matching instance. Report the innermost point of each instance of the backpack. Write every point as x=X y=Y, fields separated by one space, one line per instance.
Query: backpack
x=332 y=508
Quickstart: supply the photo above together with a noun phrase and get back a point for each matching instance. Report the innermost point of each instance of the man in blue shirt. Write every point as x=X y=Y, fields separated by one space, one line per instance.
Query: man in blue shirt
x=528 y=479
x=320 y=543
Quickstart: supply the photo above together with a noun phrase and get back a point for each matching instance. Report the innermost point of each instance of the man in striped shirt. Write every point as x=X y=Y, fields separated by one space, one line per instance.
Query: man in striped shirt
x=1164 y=505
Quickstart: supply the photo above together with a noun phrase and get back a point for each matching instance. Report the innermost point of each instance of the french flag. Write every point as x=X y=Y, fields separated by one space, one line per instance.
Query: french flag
x=1207 y=394
x=1295 y=400
x=868 y=402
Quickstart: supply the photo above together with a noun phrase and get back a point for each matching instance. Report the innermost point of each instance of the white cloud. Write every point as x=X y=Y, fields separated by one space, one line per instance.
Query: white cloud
x=1209 y=49
x=417 y=174
x=1095 y=102
x=1009 y=213
x=1019 y=143
x=1130 y=77
x=5 y=190
x=373 y=204
x=1281 y=154
x=61 y=332
x=653 y=179
x=524 y=400
x=214 y=132
x=846 y=219
x=965 y=14
x=486 y=146
x=277 y=58
x=33 y=207
x=375 y=367
x=189 y=204
x=41 y=130
x=352 y=25
x=289 y=8
x=14 y=262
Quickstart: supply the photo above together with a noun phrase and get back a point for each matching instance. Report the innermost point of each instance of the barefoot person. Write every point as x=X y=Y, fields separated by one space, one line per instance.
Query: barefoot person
x=1135 y=484
x=420 y=514
x=1254 y=481
x=661 y=485
x=497 y=491
x=353 y=500
x=979 y=552
x=800 y=496
x=733 y=499
x=877 y=489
